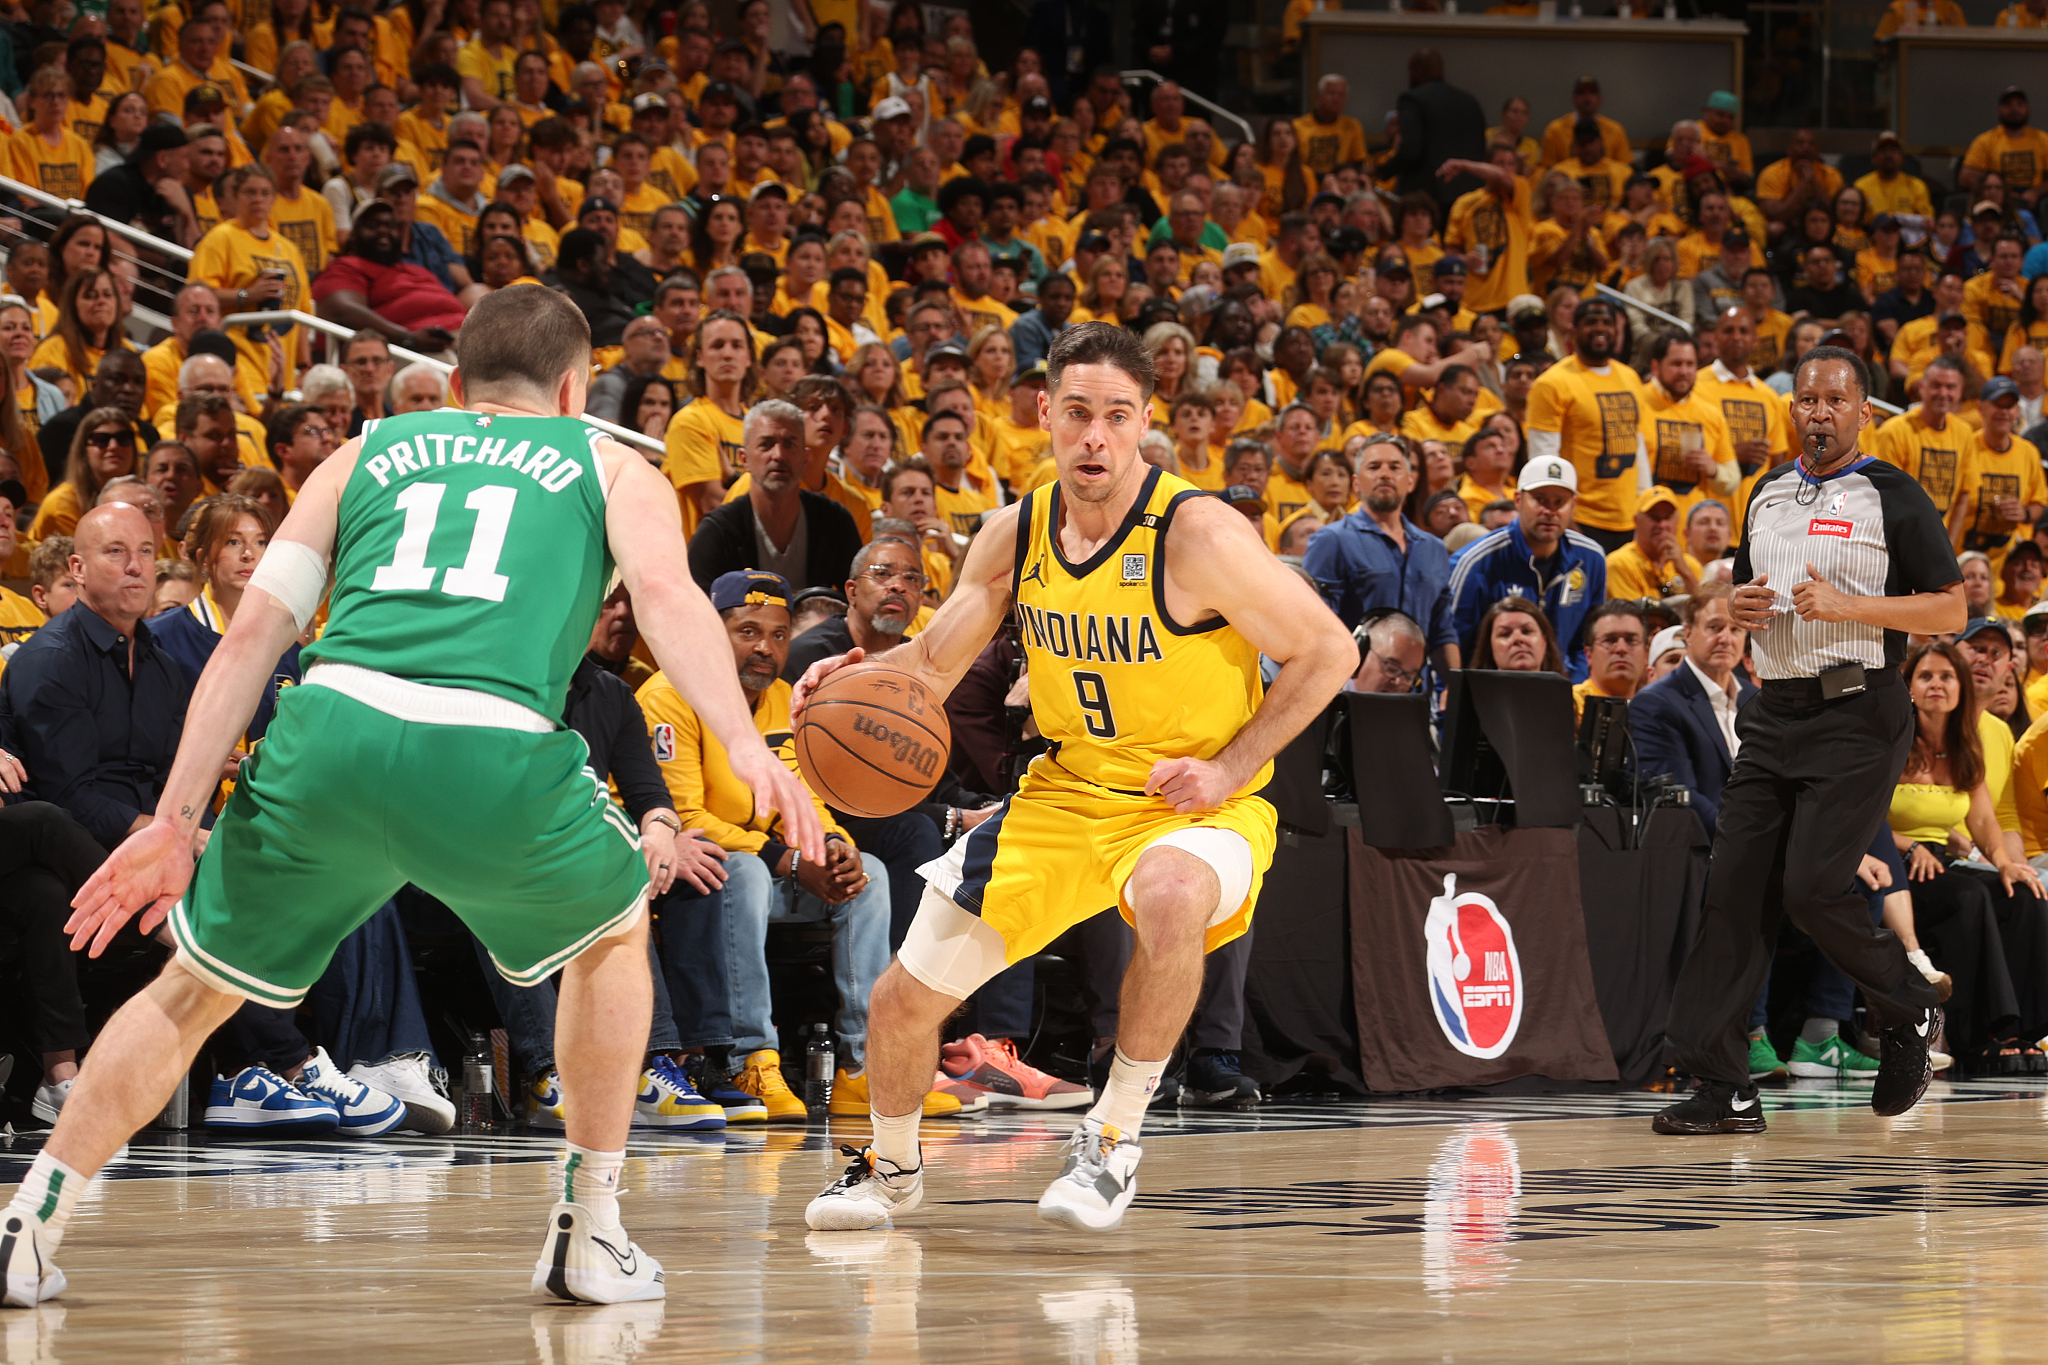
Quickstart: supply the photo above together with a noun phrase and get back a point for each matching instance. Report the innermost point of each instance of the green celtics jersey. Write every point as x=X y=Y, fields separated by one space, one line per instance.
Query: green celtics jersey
x=470 y=553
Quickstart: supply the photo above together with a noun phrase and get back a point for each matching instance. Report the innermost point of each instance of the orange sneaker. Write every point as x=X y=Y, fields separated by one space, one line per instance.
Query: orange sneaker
x=992 y=1066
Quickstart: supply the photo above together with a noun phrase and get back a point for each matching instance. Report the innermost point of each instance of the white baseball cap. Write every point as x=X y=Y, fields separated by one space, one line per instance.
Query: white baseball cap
x=1671 y=637
x=1548 y=471
x=893 y=107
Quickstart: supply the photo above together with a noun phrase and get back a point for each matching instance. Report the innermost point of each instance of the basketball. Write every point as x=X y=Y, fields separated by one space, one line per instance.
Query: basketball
x=872 y=740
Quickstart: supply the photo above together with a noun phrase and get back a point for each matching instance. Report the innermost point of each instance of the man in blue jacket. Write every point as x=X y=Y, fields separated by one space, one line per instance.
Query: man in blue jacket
x=1375 y=557
x=1537 y=556
x=1684 y=723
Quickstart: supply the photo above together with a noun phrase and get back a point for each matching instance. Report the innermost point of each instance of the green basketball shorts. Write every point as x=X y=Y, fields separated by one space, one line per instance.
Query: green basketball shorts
x=343 y=803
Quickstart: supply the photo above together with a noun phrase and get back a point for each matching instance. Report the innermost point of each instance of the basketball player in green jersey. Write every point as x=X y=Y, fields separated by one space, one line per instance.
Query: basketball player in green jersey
x=471 y=550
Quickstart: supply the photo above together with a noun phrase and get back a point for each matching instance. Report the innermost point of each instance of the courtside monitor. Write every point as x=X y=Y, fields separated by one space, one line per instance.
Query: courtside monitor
x=1508 y=738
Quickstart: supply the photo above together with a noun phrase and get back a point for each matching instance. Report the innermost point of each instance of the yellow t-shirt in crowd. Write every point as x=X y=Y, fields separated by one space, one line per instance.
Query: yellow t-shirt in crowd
x=1420 y=423
x=457 y=226
x=1901 y=194
x=1557 y=139
x=962 y=507
x=1631 y=575
x=473 y=61
x=414 y=127
x=1326 y=146
x=308 y=222
x=231 y=257
x=703 y=442
x=1598 y=419
x=1481 y=219
x=1988 y=305
x=2030 y=775
x=1776 y=180
x=1668 y=425
x=65 y=169
x=2021 y=157
x=1994 y=476
x=1943 y=461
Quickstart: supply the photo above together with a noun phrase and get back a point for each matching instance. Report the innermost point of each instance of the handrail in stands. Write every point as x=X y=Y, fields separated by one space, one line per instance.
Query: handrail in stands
x=1192 y=97
x=337 y=330
x=114 y=225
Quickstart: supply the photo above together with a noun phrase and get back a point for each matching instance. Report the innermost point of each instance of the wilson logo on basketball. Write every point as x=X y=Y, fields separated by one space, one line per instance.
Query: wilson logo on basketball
x=904 y=747
x=1475 y=975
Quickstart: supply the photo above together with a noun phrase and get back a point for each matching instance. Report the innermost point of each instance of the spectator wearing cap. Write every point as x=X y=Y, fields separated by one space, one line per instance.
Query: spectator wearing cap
x=1654 y=565
x=1887 y=188
x=1557 y=134
x=1376 y=558
x=1538 y=556
x=369 y=286
x=768 y=221
x=1684 y=723
x=1449 y=279
x=1667 y=652
x=2014 y=149
x=1439 y=122
x=398 y=185
x=766 y=880
x=1001 y=215
x=806 y=537
x=147 y=189
x=2006 y=488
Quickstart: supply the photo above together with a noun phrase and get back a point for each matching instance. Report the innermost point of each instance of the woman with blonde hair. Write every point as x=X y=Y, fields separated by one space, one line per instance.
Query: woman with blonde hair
x=1173 y=351
x=35 y=400
x=991 y=359
x=102 y=448
x=88 y=326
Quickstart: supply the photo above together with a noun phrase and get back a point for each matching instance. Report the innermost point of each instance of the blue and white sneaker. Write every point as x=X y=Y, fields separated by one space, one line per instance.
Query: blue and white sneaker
x=258 y=1100
x=366 y=1111
x=544 y=1102
x=668 y=1100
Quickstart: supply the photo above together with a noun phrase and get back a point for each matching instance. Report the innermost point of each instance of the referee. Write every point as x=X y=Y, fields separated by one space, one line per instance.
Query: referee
x=1842 y=556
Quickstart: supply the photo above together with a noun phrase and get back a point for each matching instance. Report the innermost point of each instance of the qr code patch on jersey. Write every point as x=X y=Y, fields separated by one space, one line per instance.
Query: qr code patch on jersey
x=1134 y=568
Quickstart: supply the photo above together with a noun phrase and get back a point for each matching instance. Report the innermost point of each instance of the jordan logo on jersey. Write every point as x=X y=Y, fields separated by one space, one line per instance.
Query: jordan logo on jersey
x=1036 y=574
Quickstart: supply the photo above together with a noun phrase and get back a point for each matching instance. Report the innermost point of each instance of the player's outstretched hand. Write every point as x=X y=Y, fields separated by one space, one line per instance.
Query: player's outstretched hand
x=778 y=789
x=148 y=872
x=1190 y=785
x=813 y=676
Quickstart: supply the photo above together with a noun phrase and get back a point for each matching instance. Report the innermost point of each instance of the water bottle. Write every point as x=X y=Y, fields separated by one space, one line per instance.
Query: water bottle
x=820 y=1060
x=476 y=1085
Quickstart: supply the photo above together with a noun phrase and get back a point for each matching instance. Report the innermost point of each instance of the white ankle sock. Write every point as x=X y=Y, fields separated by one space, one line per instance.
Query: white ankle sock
x=48 y=1194
x=592 y=1180
x=896 y=1138
x=1131 y=1085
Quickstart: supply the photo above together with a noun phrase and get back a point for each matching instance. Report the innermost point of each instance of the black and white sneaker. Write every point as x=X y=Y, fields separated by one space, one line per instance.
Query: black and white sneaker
x=1715 y=1107
x=1212 y=1081
x=581 y=1262
x=1904 y=1070
x=871 y=1191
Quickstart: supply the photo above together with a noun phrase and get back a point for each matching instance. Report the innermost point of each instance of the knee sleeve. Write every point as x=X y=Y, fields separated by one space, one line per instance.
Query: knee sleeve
x=1229 y=856
x=950 y=950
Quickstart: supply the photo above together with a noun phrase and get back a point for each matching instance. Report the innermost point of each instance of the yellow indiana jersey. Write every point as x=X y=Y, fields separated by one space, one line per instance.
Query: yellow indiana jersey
x=1116 y=684
x=1943 y=461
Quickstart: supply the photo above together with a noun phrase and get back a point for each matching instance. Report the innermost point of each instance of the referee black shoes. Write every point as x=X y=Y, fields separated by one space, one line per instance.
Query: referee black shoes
x=1715 y=1107
x=1904 y=1070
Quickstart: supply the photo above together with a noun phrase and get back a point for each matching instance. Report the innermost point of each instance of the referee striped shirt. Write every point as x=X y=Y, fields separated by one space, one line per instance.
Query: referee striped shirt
x=1867 y=528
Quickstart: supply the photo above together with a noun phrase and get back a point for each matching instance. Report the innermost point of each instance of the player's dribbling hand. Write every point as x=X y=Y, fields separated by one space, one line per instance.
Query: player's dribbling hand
x=148 y=872
x=1190 y=785
x=779 y=791
x=814 y=676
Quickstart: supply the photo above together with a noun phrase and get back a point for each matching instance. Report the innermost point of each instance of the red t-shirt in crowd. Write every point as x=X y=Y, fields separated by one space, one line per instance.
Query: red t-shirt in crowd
x=406 y=294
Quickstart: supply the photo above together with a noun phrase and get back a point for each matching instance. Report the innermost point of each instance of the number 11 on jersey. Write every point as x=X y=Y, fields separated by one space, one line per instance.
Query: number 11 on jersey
x=477 y=575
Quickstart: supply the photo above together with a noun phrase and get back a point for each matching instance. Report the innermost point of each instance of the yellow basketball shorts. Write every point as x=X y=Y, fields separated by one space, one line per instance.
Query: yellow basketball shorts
x=1061 y=850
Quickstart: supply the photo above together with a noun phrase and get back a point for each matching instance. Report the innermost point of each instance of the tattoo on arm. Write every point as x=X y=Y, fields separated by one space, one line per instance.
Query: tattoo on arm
x=185 y=812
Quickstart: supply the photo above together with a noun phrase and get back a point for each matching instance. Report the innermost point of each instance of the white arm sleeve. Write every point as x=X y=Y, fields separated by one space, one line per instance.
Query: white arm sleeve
x=1542 y=444
x=295 y=574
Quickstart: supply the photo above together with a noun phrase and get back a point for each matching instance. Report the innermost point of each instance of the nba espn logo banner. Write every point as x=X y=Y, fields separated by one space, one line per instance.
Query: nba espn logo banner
x=1475 y=975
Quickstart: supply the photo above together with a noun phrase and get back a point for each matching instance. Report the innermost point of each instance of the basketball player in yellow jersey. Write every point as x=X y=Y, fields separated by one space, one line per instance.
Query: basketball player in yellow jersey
x=1145 y=606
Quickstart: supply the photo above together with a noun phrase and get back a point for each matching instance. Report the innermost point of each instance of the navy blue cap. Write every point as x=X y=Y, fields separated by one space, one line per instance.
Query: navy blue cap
x=749 y=588
x=1997 y=387
x=1450 y=265
x=1983 y=624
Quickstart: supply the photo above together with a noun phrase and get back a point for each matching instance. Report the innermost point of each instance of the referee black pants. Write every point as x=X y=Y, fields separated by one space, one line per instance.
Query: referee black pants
x=1810 y=788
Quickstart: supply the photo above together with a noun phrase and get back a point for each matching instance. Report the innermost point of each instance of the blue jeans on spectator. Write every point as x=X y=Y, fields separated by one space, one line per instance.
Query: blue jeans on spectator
x=692 y=952
x=860 y=949
x=366 y=1005
x=528 y=1013
x=904 y=843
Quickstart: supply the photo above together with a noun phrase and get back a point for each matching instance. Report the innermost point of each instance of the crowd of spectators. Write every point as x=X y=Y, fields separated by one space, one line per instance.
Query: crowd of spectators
x=1499 y=392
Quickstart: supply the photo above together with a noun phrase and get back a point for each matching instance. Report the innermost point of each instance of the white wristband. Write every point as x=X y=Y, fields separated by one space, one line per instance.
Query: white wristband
x=296 y=575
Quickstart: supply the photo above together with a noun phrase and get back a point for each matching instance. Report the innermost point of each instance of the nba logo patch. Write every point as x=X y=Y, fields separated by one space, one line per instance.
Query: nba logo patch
x=1838 y=502
x=484 y=420
x=1134 y=569
x=664 y=743
x=1475 y=975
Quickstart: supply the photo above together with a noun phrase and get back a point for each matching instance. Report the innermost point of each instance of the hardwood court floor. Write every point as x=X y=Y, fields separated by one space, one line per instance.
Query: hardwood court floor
x=1522 y=1230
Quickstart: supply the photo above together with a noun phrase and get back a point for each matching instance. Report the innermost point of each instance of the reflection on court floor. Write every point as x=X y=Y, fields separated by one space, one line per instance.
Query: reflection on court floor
x=1530 y=1228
